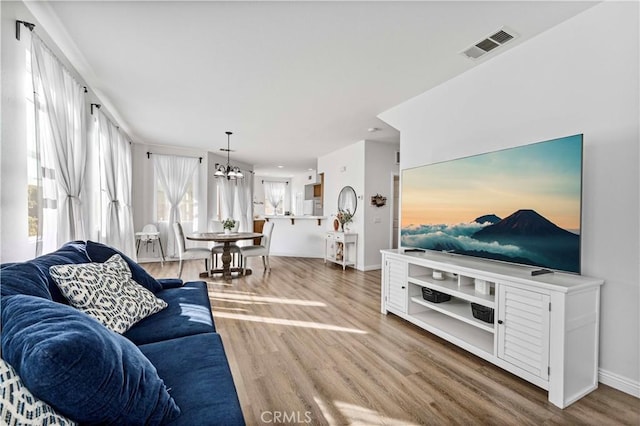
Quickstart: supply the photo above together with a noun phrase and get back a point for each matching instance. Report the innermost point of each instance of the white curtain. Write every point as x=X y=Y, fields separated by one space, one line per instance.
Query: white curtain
x=60 y=102
x=274 y=193
x=236 y=201
x=174 y=174
x=227 y=197
x=243 y=203
x=115 y=181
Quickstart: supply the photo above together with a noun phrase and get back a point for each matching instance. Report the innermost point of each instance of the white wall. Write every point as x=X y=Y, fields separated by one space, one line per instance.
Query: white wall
x=368 y=167
x=579 y=77
x=380 y=167
x=345 y=167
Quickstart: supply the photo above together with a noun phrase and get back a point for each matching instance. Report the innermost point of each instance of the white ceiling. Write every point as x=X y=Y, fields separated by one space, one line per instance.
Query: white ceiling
x=292 y=80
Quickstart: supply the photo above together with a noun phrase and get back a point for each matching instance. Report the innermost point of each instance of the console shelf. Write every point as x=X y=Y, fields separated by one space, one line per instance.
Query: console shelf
x=545 y=327
x=451 y=329
x=458 y=309
x=450 y=286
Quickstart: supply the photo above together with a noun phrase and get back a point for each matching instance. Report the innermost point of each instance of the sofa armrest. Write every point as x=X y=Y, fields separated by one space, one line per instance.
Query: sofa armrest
x=170 y=283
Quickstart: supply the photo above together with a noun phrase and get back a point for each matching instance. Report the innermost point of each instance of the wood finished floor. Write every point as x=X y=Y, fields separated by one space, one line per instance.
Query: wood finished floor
x=307 y=344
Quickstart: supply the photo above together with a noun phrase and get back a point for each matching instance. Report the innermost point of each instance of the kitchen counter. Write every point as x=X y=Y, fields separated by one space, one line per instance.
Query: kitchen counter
x=293 y=218
x=298 y=236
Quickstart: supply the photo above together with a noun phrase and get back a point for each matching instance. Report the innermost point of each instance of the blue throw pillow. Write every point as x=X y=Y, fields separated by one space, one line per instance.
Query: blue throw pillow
x=83 y=370
x=101 y=253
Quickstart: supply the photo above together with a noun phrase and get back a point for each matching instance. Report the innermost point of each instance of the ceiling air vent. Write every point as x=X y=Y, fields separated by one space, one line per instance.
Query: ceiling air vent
x=488 y=44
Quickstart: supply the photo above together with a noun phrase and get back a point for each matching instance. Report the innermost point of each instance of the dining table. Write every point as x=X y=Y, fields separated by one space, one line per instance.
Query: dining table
x=227 y=239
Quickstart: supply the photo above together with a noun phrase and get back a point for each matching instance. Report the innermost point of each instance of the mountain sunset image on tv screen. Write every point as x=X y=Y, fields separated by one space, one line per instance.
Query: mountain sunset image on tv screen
x=519 y=205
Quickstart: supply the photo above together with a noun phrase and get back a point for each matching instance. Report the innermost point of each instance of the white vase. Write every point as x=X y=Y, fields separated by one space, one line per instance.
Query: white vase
x=227 y=231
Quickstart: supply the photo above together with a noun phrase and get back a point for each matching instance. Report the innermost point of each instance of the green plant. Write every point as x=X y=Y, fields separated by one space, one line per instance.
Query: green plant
x=344 y=216
x=229 y=224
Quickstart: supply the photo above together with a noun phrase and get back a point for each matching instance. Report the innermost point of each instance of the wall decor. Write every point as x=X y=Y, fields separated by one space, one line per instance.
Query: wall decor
x=378 y=200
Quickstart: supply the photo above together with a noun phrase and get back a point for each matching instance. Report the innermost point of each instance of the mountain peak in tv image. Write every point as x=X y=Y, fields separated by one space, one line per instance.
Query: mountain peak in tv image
x=520 y=205
x=491 y=218
x=522 y=222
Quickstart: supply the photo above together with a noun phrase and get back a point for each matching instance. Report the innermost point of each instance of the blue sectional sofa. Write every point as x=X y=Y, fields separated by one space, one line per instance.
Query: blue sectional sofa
x=169 y=368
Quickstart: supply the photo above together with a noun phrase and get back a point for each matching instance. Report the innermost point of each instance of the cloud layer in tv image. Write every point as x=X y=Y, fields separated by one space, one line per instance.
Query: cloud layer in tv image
x=524 y=237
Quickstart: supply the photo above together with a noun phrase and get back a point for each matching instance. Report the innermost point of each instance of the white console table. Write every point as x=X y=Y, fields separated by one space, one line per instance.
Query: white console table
x=545 y=328
x=341 y=248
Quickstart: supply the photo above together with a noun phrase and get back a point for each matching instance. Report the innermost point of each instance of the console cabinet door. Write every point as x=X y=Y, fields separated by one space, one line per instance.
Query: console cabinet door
x=396 y=276
x=523 y=329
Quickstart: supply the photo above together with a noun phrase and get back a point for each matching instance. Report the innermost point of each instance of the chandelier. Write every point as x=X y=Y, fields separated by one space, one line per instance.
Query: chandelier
x=227 y=171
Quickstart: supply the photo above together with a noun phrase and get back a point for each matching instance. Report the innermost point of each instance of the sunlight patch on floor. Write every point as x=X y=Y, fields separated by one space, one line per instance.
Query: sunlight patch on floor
x=325 y=411
x=240 y=302
x=235 y=292
x=282 y=321
x=357 y=415
x=266 y=299
x=224 y=308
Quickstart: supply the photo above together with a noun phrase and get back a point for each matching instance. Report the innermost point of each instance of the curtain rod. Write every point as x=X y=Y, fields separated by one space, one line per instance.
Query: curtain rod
x=199 y=158
x=29 y=25
x=283 y=181
x=31 y=28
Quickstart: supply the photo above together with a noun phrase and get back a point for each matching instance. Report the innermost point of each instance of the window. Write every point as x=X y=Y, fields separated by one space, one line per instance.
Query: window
x=32 y=160
x=274 y=197
x=45 y=163
x=187 y=206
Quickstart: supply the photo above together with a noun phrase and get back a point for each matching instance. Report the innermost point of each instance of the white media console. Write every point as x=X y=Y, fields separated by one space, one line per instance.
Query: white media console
x=545 y=328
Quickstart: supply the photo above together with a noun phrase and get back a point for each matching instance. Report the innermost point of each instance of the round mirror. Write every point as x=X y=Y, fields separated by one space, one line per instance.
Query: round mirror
x=347 y=200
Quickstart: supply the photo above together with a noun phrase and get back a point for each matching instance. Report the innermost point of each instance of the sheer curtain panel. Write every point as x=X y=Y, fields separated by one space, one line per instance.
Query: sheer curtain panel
x=115 y=181
x=274 y=193
x=243 y=204
x=227 y=196
x=174 y=174
x=60 y=101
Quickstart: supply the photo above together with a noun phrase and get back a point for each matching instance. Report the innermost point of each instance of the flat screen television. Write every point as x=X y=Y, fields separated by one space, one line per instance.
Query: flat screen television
x=520 y=205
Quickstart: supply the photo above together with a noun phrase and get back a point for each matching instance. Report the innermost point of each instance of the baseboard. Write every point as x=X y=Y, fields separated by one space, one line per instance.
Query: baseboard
x=297 y=254
x=371 y=268
x=618 y=382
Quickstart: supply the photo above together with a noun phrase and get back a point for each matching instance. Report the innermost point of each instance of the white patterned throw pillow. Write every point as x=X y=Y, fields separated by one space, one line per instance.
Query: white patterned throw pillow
x=107 y=292
x=18 y=406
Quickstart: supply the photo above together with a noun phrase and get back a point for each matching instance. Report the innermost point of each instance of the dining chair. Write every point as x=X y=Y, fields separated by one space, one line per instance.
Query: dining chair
x=189 y=253
x=261 y=250
x=218 y=248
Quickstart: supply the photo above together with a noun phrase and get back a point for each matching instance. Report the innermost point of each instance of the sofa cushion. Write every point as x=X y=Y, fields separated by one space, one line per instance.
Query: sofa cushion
x=18 y=406
x=197 y=371
x=101 y=253
x=188 y=312
x=106 y=292
x=71 y=252
x=170 y=282
x=33 y=277
x=24 y=278
x=82 y=369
